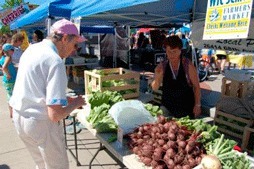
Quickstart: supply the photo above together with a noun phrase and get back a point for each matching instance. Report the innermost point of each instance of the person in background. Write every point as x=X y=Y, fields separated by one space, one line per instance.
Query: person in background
x=16 y=41
x=179 y=80
x=8 y=37
x=186 y=47
x=25 y=42
x=208 y=55
x=221 y=60
x=9 y=71
x=143 y=41
x=39 y=99
x=37 y=36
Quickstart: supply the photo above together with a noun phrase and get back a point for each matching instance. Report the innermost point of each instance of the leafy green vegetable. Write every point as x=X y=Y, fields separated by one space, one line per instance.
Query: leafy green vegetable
x=223 y=149
x=107 y=124
x=112 y=138
x=97 y=113
x=107 y=97
x=153 y=109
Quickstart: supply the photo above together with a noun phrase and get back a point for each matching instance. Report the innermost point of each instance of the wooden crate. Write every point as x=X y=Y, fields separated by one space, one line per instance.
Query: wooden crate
x=237 y=88
x=157 y=96
x=234 y=126
x=246 y=137
x=94 y=82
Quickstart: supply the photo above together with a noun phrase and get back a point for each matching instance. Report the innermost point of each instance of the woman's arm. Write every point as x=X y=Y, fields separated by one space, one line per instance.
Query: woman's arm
x=158 y=77
x=5 y=67
x=196 y=89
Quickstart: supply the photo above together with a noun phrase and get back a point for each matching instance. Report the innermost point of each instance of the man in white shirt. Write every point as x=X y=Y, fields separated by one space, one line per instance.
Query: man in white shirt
x=39 y=101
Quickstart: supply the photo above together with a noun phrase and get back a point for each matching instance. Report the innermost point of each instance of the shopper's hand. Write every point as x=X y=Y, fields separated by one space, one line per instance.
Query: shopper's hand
x=78 y=101
x=8 y=76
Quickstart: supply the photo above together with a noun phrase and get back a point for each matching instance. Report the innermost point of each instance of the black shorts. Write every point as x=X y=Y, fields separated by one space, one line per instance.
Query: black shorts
x=221 y=57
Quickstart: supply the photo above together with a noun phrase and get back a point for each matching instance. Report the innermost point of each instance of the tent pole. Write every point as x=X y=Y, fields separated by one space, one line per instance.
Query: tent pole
x=129 y=37
x=194 y=56
x=115 y=50
x=48 y=25
x=99 y=47
x=194 y=10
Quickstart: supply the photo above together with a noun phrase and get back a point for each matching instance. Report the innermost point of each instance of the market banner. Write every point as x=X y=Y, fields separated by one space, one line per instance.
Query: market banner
x=227 y=19
x=11 y=14
x=235 y=45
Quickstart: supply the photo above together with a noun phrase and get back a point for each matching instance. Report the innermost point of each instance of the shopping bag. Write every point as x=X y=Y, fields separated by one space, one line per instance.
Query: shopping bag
x=130 y=114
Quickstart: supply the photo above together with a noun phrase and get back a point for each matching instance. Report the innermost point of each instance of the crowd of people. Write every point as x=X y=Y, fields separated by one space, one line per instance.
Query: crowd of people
x=216 y=57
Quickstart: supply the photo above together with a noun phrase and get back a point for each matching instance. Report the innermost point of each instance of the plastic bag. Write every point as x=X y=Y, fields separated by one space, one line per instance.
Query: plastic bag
x=130 y=114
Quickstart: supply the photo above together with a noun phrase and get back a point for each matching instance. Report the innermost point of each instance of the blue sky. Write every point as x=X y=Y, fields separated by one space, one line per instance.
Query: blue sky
x=30 y=1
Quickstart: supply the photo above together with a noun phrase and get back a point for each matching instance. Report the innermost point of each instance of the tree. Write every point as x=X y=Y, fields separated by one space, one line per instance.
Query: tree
x=11 y=3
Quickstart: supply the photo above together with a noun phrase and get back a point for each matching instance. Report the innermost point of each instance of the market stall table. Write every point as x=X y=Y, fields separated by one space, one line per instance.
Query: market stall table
x=120 y=152
x=241 y=60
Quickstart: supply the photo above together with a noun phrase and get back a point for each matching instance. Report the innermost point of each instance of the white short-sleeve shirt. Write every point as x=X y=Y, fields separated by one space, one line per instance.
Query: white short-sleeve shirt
x=41 y=81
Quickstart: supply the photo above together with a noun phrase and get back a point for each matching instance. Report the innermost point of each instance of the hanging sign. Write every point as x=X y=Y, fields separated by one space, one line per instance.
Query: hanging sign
x=227 y=19
x=11 y=14
x=234 y=45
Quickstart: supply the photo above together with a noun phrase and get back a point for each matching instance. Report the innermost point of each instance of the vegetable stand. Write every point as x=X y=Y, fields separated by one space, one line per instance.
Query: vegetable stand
x=120 y=153
x=186 y=144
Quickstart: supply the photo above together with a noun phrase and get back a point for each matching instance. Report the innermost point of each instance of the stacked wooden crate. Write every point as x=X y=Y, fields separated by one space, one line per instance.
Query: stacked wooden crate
x=130 y=87
x=228 y=123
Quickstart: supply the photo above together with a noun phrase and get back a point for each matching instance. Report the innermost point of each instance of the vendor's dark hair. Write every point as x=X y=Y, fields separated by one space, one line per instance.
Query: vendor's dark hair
x=174 y=42
x=39 y=34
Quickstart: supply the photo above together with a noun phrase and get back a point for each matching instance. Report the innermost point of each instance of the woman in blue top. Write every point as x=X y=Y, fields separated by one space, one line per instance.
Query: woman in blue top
x=8 y=69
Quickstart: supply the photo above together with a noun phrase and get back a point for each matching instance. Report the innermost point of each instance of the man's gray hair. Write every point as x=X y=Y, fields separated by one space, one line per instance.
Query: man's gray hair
x=57 y=37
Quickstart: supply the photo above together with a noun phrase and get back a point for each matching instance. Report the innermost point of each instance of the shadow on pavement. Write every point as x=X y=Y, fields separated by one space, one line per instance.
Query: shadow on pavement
x=4 y=166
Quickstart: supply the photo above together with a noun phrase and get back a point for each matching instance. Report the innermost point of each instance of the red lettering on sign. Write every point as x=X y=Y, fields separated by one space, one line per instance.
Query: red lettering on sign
x=13 y=15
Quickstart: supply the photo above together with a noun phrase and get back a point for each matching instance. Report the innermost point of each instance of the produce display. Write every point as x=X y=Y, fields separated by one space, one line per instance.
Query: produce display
x=165 y=144
x=169 y=143
x=101 y=102
x=185 y=143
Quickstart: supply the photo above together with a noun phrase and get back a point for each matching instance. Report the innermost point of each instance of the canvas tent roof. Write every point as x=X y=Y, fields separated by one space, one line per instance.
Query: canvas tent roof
x=72 y=8
x=156 y=13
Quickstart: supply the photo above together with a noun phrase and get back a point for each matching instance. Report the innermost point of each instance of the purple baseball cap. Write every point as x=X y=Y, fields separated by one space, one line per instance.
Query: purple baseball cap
x=65 y=26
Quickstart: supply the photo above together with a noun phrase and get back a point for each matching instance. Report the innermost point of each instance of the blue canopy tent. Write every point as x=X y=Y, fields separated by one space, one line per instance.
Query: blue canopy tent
x=72 y=8
x=64 y=8
x=97 y=29
x=159 y=13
